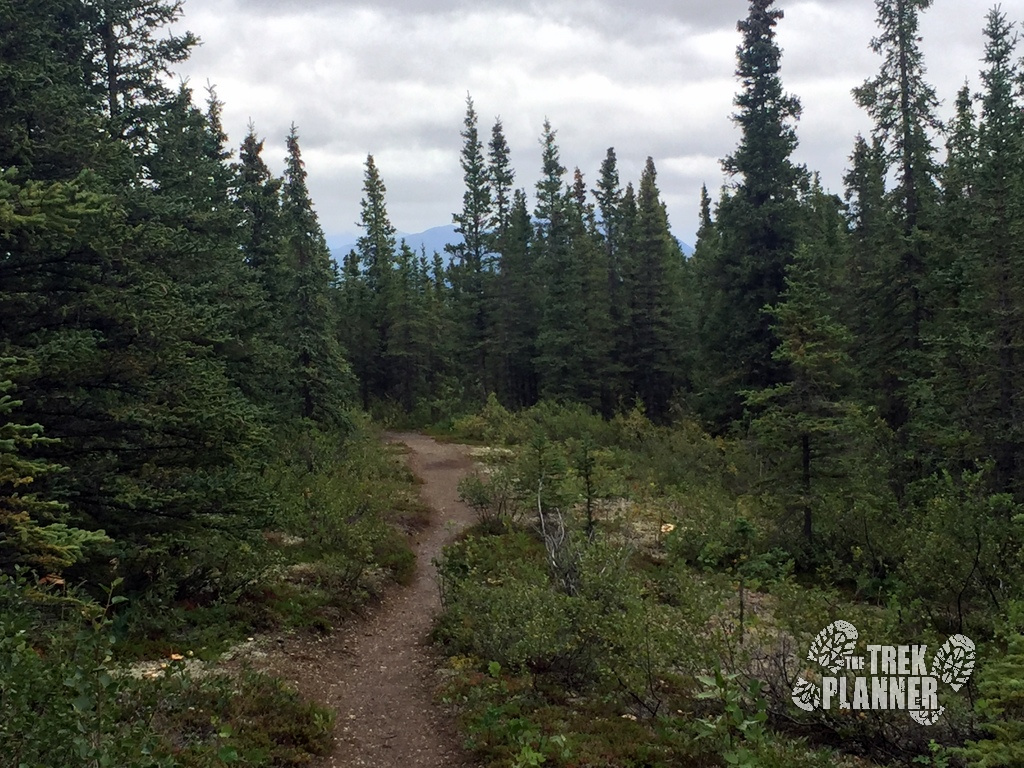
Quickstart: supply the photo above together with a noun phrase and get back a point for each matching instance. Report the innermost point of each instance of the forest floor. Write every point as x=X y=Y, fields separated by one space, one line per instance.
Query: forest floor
x=378 y=673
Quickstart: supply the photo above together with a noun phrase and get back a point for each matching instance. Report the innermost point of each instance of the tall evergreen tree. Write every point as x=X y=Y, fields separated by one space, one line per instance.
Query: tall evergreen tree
x=519 y=308
x=356 y=326
x=609 y=195
x=870 y=219
x=560 y=363
x=815 y=436
x=323 y=375
x=902 y=105
x=990 y=316
x=609 y=198
x=652 y=282
x=501 y=177
x=407 y=356
x=190 y=167
x=375 y=252
x=128 y=63
x=471 y=257
x=114 y=282
x=588 y=259
x=376 y=246
x=758 y=224
x=257 y=196
x=697 y=286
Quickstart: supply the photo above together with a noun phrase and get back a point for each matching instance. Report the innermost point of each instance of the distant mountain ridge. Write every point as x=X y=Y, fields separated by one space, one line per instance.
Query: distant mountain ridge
x=433 y=239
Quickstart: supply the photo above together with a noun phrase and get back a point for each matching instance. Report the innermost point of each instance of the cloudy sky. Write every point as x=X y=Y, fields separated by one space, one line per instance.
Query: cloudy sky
x=649 y=77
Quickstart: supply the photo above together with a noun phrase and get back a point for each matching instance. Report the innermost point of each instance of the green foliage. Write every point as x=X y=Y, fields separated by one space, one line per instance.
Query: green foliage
x=624 y=621
x=62 y=704
x=740 y=734
x=66 y=702
x=31 y=529
x=347 y=507
x=757 y=228
x=497 y=500
x=471 y=269
x=491 y=425
x=1001 y=703
x=512 y=611
x=183 y=337
x=976 y=536
x=250 y=720
x=322 y=375
x=334 y=539
x=651 y=280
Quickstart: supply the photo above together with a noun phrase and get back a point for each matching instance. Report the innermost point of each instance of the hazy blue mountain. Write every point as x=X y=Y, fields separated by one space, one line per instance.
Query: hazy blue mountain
x=341 y=243
x=434 y=239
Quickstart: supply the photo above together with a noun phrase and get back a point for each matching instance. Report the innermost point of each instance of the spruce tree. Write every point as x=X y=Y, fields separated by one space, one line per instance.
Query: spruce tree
x=589 y=260
x=129 y=366
x=407 y=357
x=609 y=206
x=758 y=222
x=128 y=63
x=699 y=283
x=870 y=218
x=902 y=105
x=471 y=268
x=652 y=283
x=256 y=208
x=609 y=198
x=815 y=437
x=376 y=246
x=559 y=359
x=501 y=177
x=520 y=307
x=375 y=253
x=190 y=167
x=33 y=530
x=993 y=263
x=323 y=376
x=357 y=330
x=257 y=198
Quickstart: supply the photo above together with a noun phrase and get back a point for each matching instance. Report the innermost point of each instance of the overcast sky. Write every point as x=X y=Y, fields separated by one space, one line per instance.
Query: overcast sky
x=649 y=77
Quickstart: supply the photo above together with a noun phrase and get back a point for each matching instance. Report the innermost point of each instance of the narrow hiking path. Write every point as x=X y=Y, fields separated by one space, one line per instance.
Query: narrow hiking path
x=377 y=674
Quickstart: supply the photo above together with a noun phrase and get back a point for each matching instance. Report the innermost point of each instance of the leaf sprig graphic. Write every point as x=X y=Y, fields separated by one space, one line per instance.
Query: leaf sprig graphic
x=927 y=716
x=833 y=645
x=806 y=695
x=954 y=661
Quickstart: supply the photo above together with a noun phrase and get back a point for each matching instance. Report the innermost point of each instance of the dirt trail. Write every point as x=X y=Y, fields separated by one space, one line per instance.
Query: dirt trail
x=378 y=674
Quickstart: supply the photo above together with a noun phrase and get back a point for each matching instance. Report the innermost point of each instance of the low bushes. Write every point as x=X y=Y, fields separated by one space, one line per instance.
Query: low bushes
x=635 y=590
x=330 y=539
x=65 y=701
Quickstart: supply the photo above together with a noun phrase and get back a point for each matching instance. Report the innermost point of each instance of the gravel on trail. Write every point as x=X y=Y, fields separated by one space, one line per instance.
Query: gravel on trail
x=379 y=673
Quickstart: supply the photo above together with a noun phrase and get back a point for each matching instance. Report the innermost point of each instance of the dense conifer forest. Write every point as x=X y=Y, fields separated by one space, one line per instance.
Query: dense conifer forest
x=819 y=414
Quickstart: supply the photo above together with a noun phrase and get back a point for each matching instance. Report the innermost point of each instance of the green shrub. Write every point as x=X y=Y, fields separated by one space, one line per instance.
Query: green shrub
x=560 y=422
x=491 y=425
x=498 y=499
x=1001 y=704
x=61 y=702
x=65 y=702
x=501 y=603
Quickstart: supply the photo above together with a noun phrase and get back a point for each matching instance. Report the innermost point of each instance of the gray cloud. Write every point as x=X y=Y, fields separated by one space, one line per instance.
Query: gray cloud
x=650 y=77
x=697 y=13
